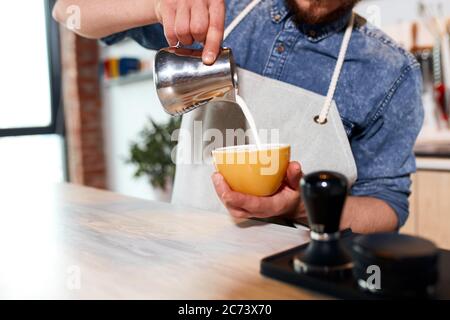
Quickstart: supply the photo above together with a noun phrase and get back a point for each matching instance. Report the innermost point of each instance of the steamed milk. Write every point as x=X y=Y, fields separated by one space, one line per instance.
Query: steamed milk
x=248 y=115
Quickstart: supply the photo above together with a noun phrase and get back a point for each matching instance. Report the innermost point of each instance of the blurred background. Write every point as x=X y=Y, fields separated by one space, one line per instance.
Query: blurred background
x=74 y=110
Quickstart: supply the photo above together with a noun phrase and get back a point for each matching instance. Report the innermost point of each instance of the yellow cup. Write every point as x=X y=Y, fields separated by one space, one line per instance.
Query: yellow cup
x=254 y=171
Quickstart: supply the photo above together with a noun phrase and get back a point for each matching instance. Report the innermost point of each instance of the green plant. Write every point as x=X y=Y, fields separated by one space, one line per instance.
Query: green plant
x=152 y=155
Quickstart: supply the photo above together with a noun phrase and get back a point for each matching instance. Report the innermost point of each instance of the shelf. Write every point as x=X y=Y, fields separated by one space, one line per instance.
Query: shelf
x=433 y=144
x=433 y=164
x=132 y=78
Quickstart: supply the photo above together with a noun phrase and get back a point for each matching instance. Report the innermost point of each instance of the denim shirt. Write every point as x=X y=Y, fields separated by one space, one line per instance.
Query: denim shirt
x=378 y=95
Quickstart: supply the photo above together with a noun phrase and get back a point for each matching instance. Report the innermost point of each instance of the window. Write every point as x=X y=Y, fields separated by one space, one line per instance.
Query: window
x=31 y=121
x=30 y=69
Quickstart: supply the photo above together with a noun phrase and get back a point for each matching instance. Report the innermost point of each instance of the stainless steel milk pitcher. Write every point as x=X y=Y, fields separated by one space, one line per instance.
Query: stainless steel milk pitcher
x=184 y=83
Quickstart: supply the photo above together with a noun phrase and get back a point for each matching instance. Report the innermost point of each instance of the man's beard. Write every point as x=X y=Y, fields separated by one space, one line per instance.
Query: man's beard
x=309 y=17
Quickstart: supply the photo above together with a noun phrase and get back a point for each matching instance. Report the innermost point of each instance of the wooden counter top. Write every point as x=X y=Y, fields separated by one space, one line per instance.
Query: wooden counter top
x=68 y=241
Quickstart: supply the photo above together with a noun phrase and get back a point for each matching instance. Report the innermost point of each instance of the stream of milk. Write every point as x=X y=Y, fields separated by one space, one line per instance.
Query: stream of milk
x=248 y=115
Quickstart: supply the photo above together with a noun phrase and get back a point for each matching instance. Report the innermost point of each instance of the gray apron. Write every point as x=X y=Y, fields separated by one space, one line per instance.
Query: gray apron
x=275 y=105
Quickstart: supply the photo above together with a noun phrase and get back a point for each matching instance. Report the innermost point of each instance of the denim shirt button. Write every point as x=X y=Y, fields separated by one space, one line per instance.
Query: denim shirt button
x=280 y=48
x=277 y=17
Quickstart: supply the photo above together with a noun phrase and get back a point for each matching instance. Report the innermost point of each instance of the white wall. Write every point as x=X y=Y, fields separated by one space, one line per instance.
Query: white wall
x=396 y=17
x=397 y=11
x=126 y=110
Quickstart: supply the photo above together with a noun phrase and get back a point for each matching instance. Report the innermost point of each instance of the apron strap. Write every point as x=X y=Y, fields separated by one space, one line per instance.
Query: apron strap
x=322 y=117
x=240 y=17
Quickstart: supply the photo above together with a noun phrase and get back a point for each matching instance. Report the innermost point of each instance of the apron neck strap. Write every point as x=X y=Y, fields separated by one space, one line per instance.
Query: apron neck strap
x=322 y=117
x=240 y=17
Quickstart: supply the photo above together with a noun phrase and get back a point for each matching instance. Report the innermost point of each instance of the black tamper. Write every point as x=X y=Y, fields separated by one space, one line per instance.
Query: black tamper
x=324 y=195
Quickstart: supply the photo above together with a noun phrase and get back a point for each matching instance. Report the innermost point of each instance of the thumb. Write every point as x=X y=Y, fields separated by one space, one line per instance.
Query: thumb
x=294 y=174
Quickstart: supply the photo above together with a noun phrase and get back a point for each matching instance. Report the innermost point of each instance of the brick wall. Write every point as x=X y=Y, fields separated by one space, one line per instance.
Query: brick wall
x=82 y=108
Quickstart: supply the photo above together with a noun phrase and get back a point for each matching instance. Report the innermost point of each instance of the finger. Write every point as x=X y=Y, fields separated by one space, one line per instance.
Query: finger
x=240 y=200
x=262 y=207
x=293 y=175
x=199 y=21
x=220 y=184
x=234 y=203
x=158 y=11
x=214 y=36
x=254 y=206
x=168 y=21
x=222 y=189
x=239 y=213
x=231 y=198
x=182 y=24
x=247 y=206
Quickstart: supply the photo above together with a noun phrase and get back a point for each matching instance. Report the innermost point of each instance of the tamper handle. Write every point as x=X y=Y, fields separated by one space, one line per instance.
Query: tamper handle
x=324 y=194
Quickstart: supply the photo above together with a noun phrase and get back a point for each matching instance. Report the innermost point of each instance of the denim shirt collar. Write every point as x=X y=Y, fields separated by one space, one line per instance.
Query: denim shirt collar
x=315 y=32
